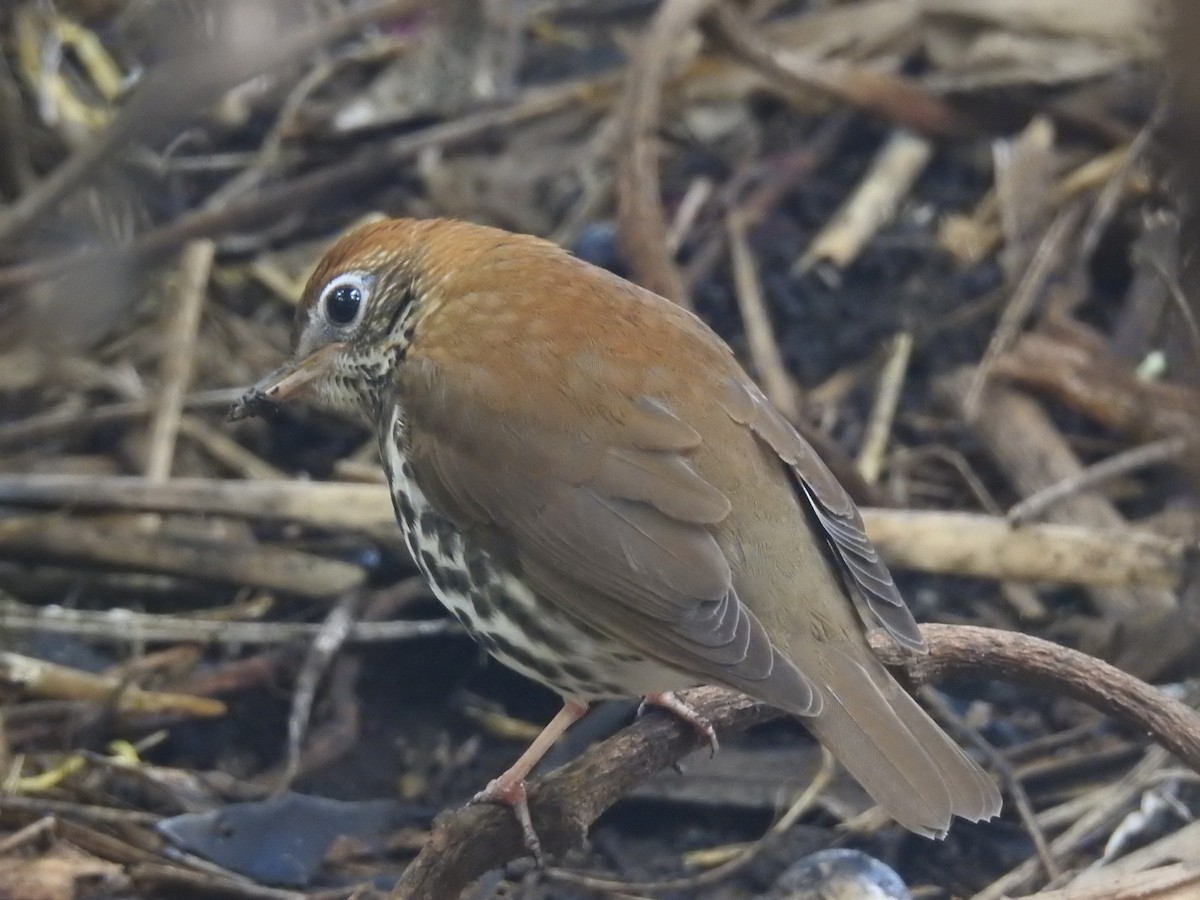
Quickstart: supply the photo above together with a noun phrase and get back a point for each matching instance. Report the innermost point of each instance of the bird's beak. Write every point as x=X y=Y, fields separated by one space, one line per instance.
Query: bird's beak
x=285 y=382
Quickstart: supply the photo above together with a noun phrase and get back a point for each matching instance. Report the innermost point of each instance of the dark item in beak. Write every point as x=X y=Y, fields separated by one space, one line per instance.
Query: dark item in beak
x=283 y=384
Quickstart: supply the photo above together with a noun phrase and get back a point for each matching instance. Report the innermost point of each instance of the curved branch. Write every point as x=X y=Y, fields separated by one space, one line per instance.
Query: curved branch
x=967 y=650
x=467 y=842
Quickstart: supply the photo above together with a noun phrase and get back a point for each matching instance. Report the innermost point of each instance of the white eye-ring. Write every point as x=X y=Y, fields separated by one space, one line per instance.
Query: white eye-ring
x=344 y=299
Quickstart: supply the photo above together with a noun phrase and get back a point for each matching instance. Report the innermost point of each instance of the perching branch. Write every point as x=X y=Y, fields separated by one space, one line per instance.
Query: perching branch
x=465 y=843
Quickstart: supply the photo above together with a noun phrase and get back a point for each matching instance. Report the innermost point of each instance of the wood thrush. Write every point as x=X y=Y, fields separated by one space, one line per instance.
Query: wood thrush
x=604 y=499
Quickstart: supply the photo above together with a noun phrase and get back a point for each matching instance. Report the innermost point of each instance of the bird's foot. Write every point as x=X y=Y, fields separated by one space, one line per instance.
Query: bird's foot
x=509 y=789
x=511 y=792
x=668 y=701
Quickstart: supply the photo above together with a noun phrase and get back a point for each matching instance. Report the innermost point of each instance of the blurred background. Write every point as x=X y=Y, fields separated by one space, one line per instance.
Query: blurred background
x=954 y=240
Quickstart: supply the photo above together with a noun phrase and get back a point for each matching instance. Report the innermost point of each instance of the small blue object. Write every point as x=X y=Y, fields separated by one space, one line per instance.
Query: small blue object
x=283 y=841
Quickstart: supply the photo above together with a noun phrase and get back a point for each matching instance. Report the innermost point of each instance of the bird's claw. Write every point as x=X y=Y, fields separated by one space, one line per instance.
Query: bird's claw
x=513 y=795
x=672 y=704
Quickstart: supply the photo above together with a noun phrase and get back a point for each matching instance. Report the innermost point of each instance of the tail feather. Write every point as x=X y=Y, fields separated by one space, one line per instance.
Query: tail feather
x=908 y=765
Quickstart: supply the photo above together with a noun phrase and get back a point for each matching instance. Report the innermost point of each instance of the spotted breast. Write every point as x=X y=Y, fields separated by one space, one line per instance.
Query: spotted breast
x=501 y=613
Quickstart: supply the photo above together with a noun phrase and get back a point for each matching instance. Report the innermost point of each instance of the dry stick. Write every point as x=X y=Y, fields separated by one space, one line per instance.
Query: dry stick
x=128 y=626
x=956 y=543
x=178 y=357
x=757 y=189
x=224 y=450
x=883 y=412
x=468 y=842
x=364 y=508
x=952 y=543
x=321 y=652
x=1180 y=881
x=304 y=190
x=61 y=541
x=873 y=204
x=1023 y=598
x=1108 y=201
x=1024 y=194
x=174 y=881
x=1152 y=454
x=1112 y=801
x=760 y=336
x=889 y=96
x=1070 y=363
x=173 y=93
x=695 y=198
x=983 y=234
x=40 y=678
x=271 y=149
x=1046 y=260
x=57 y=421
x=1181 y=844
x=32 y=833
x=95 y=814
x=641 y=223
x=1033 y=454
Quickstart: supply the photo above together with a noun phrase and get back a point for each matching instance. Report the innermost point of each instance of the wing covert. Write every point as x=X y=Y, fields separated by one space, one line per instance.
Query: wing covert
x=613 y=531
x=865 y=572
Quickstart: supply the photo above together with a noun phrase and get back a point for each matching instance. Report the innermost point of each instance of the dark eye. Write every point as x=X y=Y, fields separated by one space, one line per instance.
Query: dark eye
x=343 y=299
x=342 y=304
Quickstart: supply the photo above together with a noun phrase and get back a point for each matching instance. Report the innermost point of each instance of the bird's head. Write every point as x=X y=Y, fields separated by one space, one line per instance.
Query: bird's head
x=380 y=291
x=354 y=323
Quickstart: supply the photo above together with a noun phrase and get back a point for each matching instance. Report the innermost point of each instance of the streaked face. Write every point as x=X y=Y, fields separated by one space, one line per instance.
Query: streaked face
x=353 y=325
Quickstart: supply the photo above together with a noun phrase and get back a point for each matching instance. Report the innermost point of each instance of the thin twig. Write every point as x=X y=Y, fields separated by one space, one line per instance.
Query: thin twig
x=641 y=223
x=1107 y=806
x=760 y=336
x=1000 y=767
x=695 y=198
x=1047 y=258
x=178 y=357
x=1152 y=454
x=26 y=431
x=324 y=647
x=33 y=832
x=883 y=411
x=890 y=96
x=225 y=451
x=304 y=190
x=1033 y=453
x=174 y=93
x=129 y=626
x=1108 y=200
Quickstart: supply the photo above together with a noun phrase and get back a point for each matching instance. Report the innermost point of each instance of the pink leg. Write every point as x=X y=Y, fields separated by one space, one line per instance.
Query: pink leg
x=673 y=704
x=509 y=788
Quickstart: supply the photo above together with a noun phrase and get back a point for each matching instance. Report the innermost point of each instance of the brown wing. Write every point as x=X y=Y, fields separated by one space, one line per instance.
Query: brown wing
x=611 y=524
x=834 y=511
